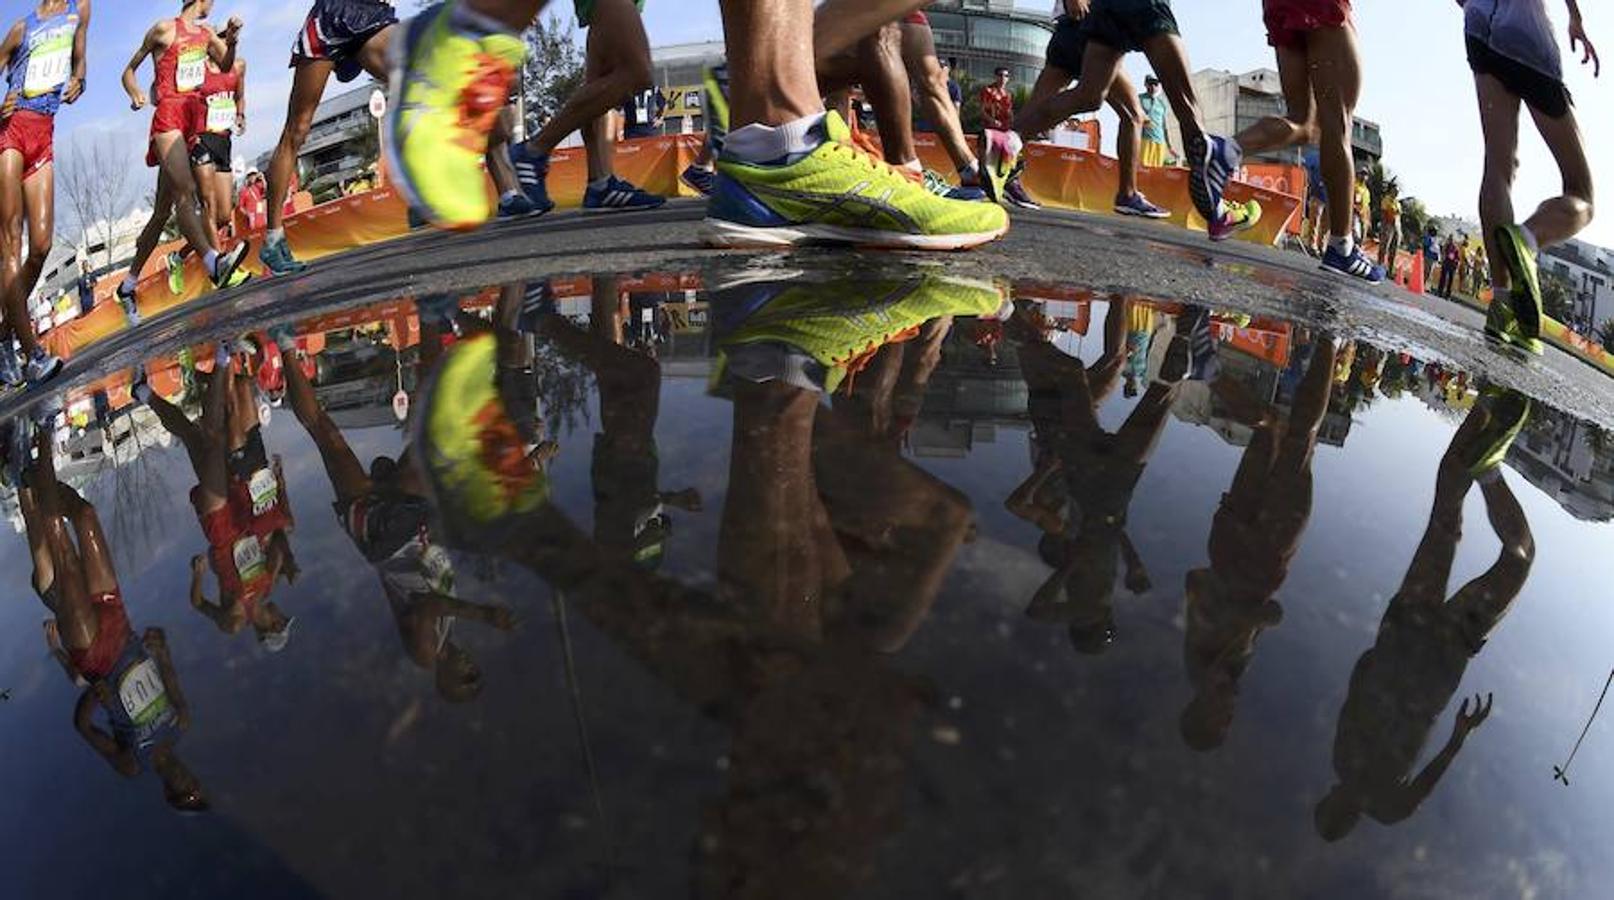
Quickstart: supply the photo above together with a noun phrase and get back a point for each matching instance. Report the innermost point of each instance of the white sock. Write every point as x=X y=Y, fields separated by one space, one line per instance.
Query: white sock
x=129 y=284
x=913 y=166
x=1530 y=238
x=508 y=195
x=766 y=143
x=210 y=259
x=1342 y=245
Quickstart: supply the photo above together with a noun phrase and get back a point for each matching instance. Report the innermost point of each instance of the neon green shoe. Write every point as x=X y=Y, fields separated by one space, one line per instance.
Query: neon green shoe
x=1502 y=324
x=479 y=467
x=1236 y=217
x=840 y=194
x=176 y=274
x=447 y=89
x=1525 y=295
x=814 y=333
x=1509 y=411
x=715 y=84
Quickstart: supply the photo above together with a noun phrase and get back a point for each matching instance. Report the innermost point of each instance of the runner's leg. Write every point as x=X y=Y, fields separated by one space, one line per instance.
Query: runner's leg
x=1100 y=64
x=1562 y=217
x=150 y=236
x=1298 y=124
x=925 y=72
x=770 y=46
x=840 y=24
x=885 y=84
x=617 y=65
x=1169 y=58
x=1481 y=603
x=349 y=480
x=100 y=576
x=175 y=165
x=308 y=80
x=1123 y=99
x=1499 y=122
x=1336 y=80
x=77 y=621
x=15 y=305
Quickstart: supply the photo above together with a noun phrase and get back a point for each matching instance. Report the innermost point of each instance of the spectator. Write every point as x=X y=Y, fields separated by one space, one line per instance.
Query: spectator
x=86 y=287
x=1389 y=228
x=1431 y=252
x=1157 y=150
x=1449 y=255
x=643 y=113
x=997 y=104
x=953 y=90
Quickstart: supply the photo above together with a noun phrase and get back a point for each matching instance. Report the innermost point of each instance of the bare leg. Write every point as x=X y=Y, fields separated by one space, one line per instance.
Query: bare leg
x=100 y=576
x=1336 y=80
x=617 y=65
x=1298 y=125
x=1483 y=602
x=1123 y=98
x=175 y=165
x=1562 y=217
x=348 y=478
x=925 y=72
x=1169 y=58
x=840 y=24
x=770 y=45
x=307 y=87
x=885 y=83
x=498 y=155
x=152 y=234
x=15 y=305
x=1499 y=122
x=1100 y=64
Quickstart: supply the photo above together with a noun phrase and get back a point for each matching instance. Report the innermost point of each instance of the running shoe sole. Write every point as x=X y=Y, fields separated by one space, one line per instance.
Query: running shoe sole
x=1139 y=214
x=723 y=234
x=229 y=262
x=622 y=209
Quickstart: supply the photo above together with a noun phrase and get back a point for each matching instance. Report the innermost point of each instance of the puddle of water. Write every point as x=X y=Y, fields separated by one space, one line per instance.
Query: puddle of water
x=785 y=583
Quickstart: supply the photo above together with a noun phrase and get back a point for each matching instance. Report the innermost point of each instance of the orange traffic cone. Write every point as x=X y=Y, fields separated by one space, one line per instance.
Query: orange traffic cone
x=1417 y=274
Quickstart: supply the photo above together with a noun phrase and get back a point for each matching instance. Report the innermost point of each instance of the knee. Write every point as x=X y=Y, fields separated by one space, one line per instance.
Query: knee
x=1129 y=114
x=297 y=127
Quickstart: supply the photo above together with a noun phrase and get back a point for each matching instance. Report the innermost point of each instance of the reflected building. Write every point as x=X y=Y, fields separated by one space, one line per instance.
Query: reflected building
x=1568 y=460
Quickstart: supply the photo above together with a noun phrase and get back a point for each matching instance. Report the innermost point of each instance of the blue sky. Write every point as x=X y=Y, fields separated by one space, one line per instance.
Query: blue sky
x=1417 y=85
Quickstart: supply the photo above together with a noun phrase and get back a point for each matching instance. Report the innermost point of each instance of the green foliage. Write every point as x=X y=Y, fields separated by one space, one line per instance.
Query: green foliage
x=1557 y=295
x=1605 y=334
x=553 y=69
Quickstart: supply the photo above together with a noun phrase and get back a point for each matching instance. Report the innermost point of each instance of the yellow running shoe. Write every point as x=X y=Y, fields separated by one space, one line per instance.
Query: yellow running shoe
x=447 y=88
x=814 y=333
x=478 y=465
x=840 y=194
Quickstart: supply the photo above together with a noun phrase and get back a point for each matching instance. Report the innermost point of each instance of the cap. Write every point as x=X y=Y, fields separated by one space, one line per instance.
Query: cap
x=275 y=641
x=1150 y=80
x=1001 y=70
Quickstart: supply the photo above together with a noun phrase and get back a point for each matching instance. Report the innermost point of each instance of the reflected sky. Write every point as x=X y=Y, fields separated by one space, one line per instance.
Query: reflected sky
x=777 y=583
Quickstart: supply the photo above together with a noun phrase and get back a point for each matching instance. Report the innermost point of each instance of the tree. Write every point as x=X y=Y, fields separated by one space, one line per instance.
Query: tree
x=1605 y=334
x=552 y=71
x=1414 y=218
x=94 y=175
x=1557 y=298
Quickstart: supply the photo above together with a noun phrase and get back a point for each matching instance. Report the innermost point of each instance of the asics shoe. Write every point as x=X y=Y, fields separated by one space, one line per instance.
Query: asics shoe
x=515 y=206
x=176 y=273
x=815 y=333
x=1525 y=295
x=1236 y=217
x=1502 y=325
x=839 y=194
x=447 y=89
x=941 y=187
x=1206 y=182
x=227 y=271
x=1015 y=192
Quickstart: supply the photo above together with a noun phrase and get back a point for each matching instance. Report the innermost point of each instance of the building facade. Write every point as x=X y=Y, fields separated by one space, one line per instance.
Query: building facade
x=1590 y=273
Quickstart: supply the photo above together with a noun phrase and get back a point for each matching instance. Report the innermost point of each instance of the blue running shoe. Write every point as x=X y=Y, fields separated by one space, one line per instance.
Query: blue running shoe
x=700 y=180
x=1355 y=264
x=1139 y=205
x=1206 y=182
x=620 y=196
x=515 y=206
x=42 y=367
x=10 y=369
x=536 y=302
x=276 y=257
x=531 y=171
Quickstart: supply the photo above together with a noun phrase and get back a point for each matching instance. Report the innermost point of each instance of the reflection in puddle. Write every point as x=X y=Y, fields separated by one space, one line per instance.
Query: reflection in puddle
x=934 y=567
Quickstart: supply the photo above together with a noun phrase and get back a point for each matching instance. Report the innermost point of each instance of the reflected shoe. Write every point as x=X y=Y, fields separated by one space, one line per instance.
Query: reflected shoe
x=176 y=273
x=814 y=334
x=448 y=86
x=478 y=467
x=284 y=337
x=699 y=180
x=618 y=195
x=1236 y=217
x=10 y=368
x=715 y=82
x=515 y=206
x=1523 y=275
x=277 y=259
x=1509 y=412
x=1017 y=195
x=42 y=367
x=537 y=301
x=139 y=386
x=1139 y=205
x=839 y=194
x=131 y=312
x=1204 y=363
x=1354 y=264
x=532 y=173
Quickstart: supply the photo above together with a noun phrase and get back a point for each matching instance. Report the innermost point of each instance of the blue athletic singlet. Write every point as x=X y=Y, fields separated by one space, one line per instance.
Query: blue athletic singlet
x=141 y=713
x=42 y=65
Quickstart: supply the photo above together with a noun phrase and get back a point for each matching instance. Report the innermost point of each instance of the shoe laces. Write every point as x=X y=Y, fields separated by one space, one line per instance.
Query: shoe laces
x=485 y=94
x=866 y=157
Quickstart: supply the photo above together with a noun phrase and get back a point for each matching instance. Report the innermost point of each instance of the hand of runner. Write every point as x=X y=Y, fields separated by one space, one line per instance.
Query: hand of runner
x=10 y=106
x=74 y=89
x=137 y=100
x=1468 y=721
x=1577 y=34
x=240 y=124
x=232 y=29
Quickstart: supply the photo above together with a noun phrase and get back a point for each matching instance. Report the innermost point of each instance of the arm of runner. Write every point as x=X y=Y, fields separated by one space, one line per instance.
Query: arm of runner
x=240 y=129
x=1409 y=797
x=436 y=605
x=75 y=83
x=157 y=645
x=199 y=602
x=99 y=741
x=222 y=44
x=1577 y=35
x=131 y=72
x=7 y=49
x=53 y=641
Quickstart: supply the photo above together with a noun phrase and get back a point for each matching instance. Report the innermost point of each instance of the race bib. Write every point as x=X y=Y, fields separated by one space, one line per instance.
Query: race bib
x=264 y=490
x=249 y=561
x=50 y=62
x=221 y=112
x=142 y=693
x=192 y=69
x=437 y=570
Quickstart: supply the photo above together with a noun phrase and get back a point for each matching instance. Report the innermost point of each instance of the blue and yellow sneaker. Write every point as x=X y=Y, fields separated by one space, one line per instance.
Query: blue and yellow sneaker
x=448 y=86
x=176 y=273
x=478 y=467
x=813 y=333
x=840 y=194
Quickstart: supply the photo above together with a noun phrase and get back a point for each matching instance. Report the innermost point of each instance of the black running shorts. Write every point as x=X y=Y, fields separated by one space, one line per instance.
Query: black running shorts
x=1544 y=93
x=1067 y=46
x=1126 y=24
x=212 y=149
